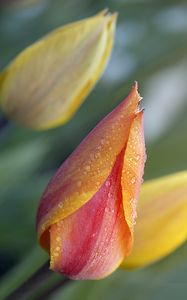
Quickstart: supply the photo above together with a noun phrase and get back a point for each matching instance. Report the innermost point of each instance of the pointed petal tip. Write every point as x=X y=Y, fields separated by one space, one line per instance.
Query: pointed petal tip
x=106 y=12
x=135 y=92
x=132 y=101
x=111 y=17
x=114 y=16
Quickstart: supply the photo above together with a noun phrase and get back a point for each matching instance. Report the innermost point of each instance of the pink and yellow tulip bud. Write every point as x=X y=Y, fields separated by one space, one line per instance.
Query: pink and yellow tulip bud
x=87 y=213
x=44 y=86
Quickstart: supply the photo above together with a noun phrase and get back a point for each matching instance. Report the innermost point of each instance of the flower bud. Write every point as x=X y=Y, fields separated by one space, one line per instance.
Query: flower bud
x=47 y=82
x=87 y=213
x=162 y=220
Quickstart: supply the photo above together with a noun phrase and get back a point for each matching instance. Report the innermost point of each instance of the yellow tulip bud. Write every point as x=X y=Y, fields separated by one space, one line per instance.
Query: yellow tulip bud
x=162 y=220
x=46 y=83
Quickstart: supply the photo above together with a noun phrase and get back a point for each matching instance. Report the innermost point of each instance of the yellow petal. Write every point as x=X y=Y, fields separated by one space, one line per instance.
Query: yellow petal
x=47 y=82
x=162 y=220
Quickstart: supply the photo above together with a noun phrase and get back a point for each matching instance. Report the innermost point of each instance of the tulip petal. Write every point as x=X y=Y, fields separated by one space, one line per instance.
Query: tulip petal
x=92 y=242
x=162 y=220
x=46 y=83
x=133 y=168
x=87 y=168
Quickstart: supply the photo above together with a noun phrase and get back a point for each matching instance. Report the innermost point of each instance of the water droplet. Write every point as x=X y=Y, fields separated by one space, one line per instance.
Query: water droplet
x=134 y=217
x=60 y=205
x=110 y=195
x=58 y=239
x=137 y=157
x=133 y=180
x=57 y=248
x=133 y=201
x=106 y=210
x=107 y=183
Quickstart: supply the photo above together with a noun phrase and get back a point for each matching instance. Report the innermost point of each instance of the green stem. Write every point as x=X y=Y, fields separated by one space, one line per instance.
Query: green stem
x=49 y=287
x=22 y=272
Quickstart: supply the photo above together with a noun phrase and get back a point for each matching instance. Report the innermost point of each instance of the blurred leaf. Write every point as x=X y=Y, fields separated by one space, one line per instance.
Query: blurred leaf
x=20 y=162
x=19 y=206
x=21 y=272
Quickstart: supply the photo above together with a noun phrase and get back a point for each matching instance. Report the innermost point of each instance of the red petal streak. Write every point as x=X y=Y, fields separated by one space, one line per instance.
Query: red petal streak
x=86 y=169
x=92 y=242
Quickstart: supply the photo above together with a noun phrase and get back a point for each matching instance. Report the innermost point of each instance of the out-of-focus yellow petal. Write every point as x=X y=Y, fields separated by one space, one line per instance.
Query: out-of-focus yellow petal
x=47 y=82
x=162 y=220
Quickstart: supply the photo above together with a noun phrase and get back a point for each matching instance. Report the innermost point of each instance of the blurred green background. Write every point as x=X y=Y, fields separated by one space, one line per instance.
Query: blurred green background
x=150 y=47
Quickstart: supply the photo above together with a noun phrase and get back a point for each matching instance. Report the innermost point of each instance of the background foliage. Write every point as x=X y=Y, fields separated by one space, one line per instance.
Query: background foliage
x=150 y=47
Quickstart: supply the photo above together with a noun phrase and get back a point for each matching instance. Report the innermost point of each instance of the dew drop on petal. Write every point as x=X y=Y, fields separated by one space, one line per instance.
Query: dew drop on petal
x=87 y=168
x=107 y=183
x=58 y=239
x=60 y=205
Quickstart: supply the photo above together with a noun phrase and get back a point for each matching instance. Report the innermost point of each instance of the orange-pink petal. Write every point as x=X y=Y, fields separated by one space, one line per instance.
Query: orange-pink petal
x=85 y=171
x=133 y=168
x=92 y=242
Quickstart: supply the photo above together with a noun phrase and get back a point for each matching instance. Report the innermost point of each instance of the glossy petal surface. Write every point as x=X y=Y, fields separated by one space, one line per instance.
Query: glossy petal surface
x=133 y=168
x=92 y=242
x=46 y=83
x=162 y=220
x=85 y=171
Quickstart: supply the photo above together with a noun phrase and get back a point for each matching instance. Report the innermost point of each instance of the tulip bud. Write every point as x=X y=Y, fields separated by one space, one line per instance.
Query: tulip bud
x=162 y=220
x=87 y=213
x=44 y=86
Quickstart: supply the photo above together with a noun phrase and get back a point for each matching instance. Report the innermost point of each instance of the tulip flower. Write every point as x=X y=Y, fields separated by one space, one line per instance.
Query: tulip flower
x=162 y=220
x=87 y=213
x=46 y=83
